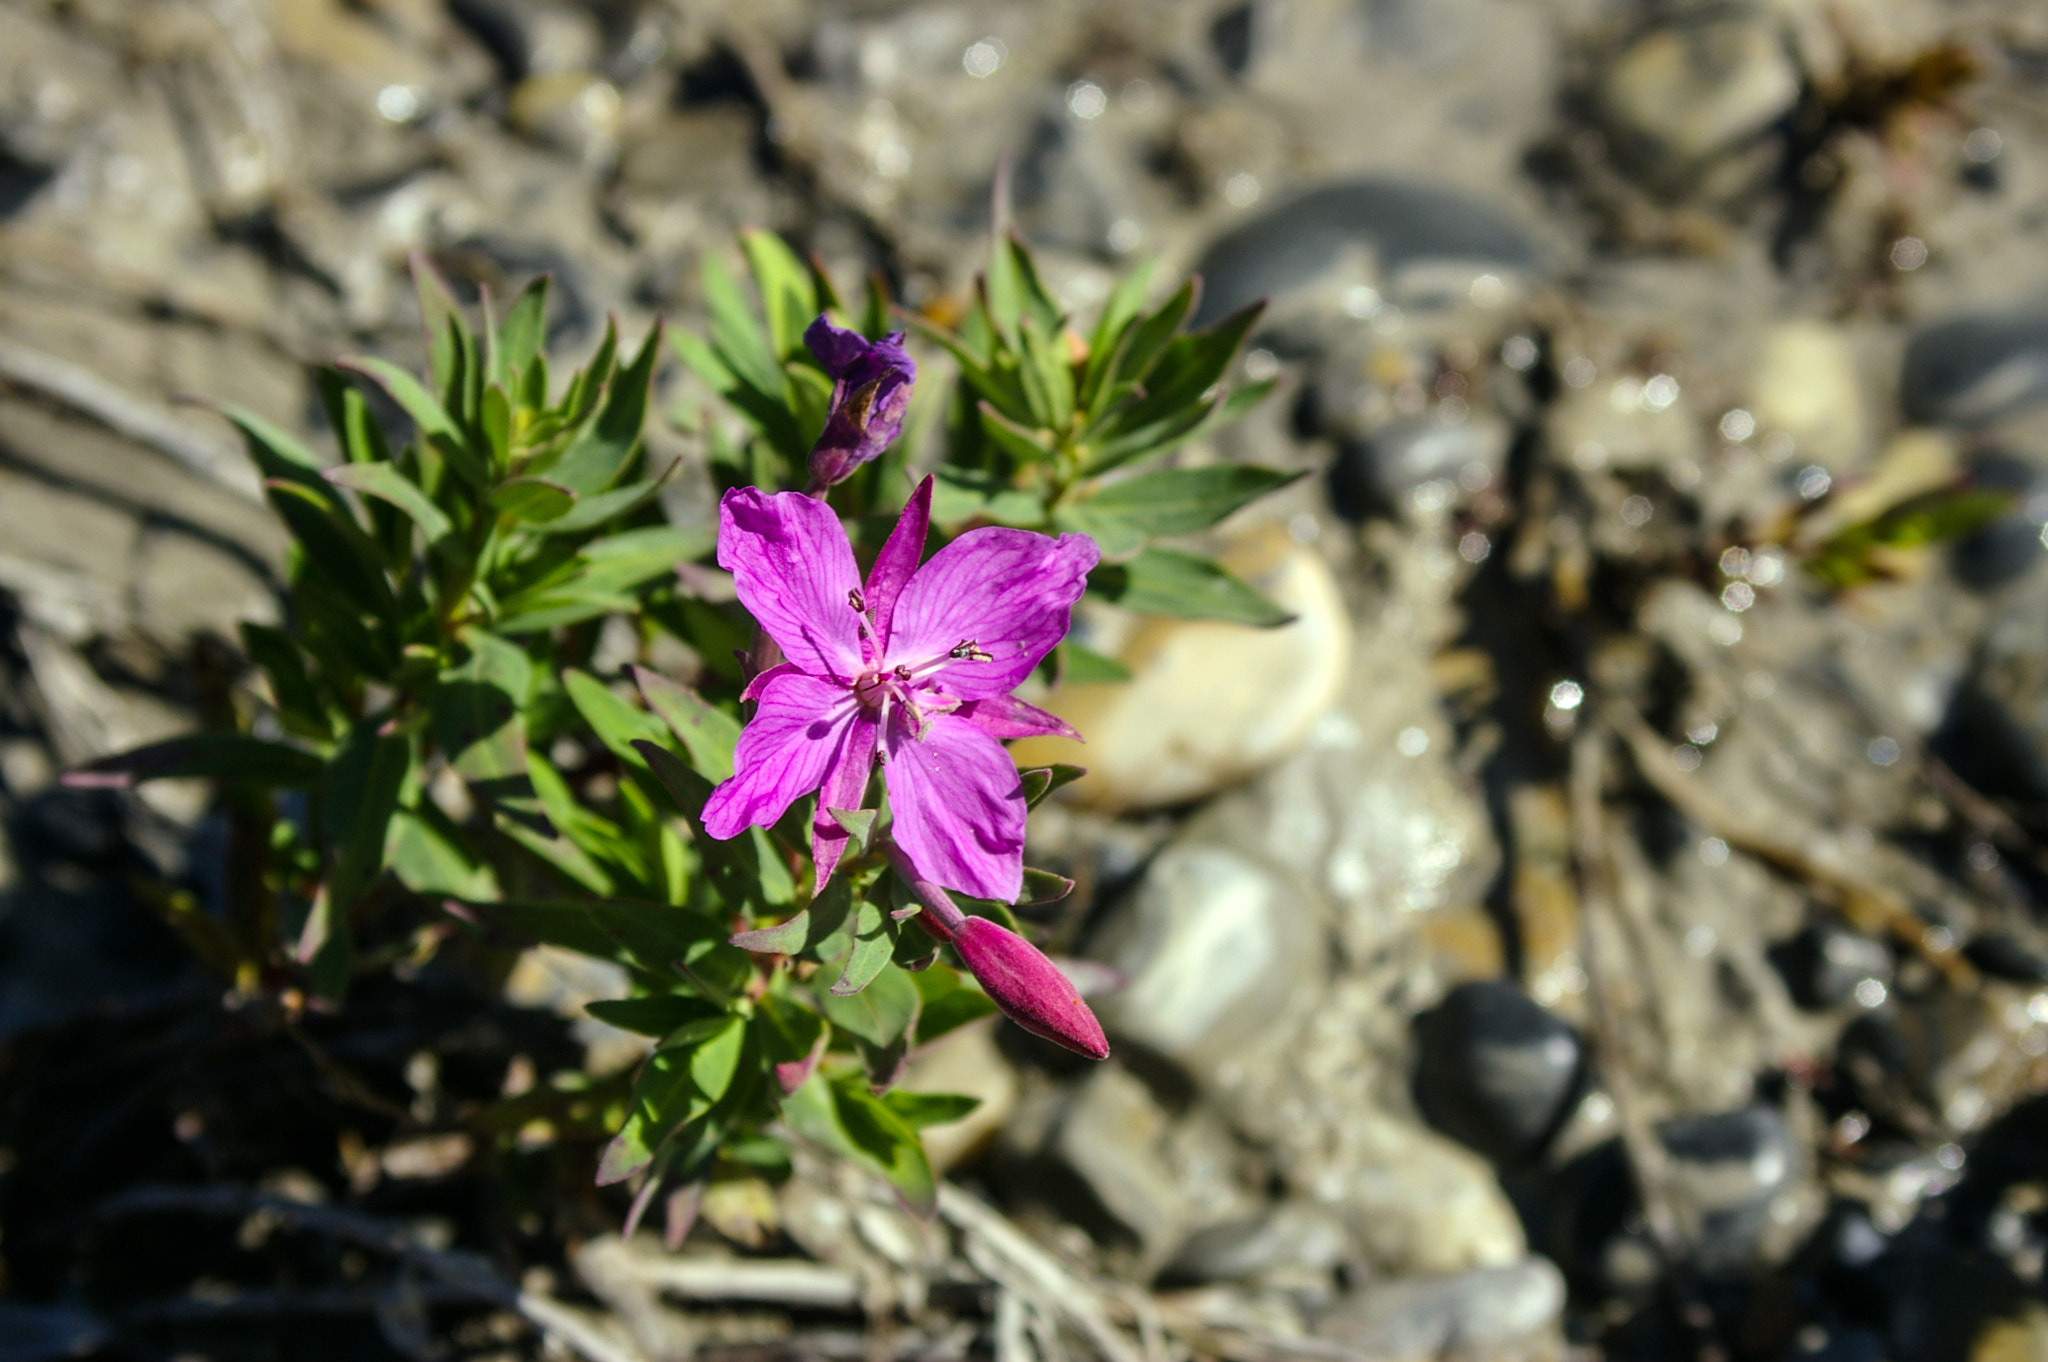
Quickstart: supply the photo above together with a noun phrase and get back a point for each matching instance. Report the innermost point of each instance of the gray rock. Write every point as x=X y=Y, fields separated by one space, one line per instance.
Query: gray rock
x=1491 y=1313
x=1825 y=965
x=1292 y=1238
x=1495 y=1071
x=1152 y=1174
x=2011 y=546
x=1388 y=469
x=1726 y=1171
x=1399 y=223
x=1215 y=944
x=1687 y=92
x=1971 y=370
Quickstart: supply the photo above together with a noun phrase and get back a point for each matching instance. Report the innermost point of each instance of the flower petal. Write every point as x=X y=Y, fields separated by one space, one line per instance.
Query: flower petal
x=836 y=347
x=1008 y=592
x=844 y=787
x=898 y=560
x=1005 y=716
x=794 y=571
x=958 y=806
x=783 y=753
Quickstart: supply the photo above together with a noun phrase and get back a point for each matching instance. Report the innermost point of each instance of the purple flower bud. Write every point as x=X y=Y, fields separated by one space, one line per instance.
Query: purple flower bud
x=1029 y=988
x=871 y=383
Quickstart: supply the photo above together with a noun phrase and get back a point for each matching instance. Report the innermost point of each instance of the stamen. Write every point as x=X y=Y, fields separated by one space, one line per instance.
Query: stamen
x=857 y=601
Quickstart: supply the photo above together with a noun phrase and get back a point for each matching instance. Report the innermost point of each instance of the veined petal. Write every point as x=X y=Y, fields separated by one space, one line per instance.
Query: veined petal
x=1005 y=716
x=898 y=560
x=844 y=786
x=958 y=806
x=795 y=574
x=761 y=679
x=783 y=753
x=1006 y=592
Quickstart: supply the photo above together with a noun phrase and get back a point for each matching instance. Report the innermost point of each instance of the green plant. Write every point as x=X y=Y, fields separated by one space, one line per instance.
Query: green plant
x=434 y=762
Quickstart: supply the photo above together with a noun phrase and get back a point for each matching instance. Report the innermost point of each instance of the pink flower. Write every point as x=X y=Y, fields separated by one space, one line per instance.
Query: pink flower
x=912 y=669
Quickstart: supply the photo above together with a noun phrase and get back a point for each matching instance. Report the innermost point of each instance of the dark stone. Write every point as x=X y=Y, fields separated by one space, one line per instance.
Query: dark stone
x=1373 y=475
x=1230 y=36
x=48 y=1333
x=1729 y=1167
x=2002 y=957
x=2010 y=546
x=1824 y=963
x=1974 y=369
x=1400 y=222
x=1496 y=1071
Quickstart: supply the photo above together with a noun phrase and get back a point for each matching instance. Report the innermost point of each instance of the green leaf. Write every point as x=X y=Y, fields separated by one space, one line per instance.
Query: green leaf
x=599 y=507
x=427 y=860
x=494 y=421
x=735 y=334
x=747 y=870
x=859 y=824
x=788 y=296
x=277 y=453
x=1117 y=313
x=552 y=922
x=618 y=725
x=708 y=733
x=680 y=1082
x=1026 y=444
x=291 y=685
x=520 y=339
x=572 y=862
x=228 y=757
x=1083 y=666
x=651 y=1016
x=441 y=320
x=1040 y=781
x=1047 y=374
x=874 y=942
x=535 y=500
x=423 y=407
x=386 y=483
x=769 y=412
x=1149 y=336
x=1191 y=365
x=841 y=1115
x=475 y=713
x=657 y=936
x=1168 y=501
x=358 y=797
x=598 y=459
x=1042 y=886
x=334 y=546
x=961 y=494
x=948 y=1003
x=1176 y=429
x=1167 y=582
x=880 y=1013
x=920 y=1109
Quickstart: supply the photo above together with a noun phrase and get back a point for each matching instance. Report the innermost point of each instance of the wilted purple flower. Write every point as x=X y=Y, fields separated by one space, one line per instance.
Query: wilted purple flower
x=870 y=390
x=912 y=669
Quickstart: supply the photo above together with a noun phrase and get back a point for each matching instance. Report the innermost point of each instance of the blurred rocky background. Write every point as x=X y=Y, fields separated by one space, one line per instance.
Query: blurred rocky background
x=1607 y=923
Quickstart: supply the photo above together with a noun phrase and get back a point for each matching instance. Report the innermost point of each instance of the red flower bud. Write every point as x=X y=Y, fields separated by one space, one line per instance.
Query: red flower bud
x=1029 y=988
